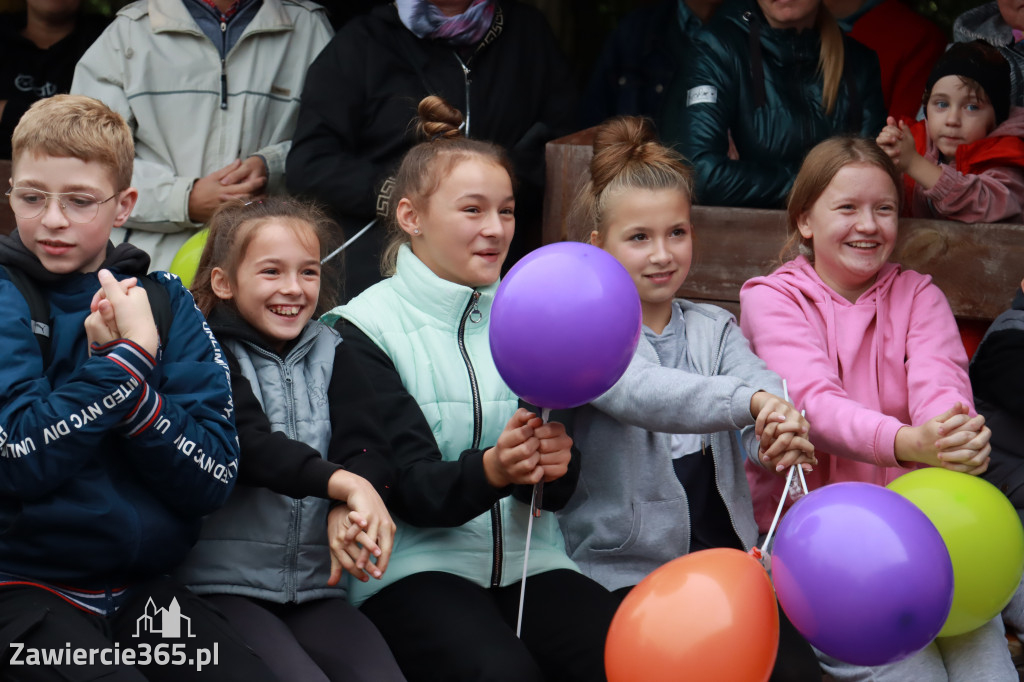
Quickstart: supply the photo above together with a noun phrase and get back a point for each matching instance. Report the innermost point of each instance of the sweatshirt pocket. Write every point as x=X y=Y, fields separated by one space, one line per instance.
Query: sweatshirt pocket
x=656 y=525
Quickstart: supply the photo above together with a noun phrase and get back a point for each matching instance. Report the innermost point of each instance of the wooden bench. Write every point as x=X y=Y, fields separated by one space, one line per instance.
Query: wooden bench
x=978 y=266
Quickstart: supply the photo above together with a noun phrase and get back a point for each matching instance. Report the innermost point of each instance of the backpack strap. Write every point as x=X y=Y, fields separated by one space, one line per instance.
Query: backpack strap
x=38 y=307
x=160 y=304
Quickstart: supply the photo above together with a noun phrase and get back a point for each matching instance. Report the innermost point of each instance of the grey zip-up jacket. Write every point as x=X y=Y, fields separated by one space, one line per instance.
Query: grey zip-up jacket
x=629 y=514
x=262 y=544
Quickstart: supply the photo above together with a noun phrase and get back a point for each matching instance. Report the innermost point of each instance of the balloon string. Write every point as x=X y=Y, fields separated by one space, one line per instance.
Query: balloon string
x=526 y=561
x=778 y=513
x=789 y=482
x=535 y=504
x=344 y=246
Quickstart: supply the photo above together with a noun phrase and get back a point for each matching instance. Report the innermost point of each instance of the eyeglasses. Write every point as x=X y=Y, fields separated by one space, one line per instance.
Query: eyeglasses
x=78 y=207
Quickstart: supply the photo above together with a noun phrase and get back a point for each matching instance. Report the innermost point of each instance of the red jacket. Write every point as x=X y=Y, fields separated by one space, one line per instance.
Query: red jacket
x=908 y=46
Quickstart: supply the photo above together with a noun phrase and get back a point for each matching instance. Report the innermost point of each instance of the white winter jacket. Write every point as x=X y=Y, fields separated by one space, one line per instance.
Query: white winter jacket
x=156 y=67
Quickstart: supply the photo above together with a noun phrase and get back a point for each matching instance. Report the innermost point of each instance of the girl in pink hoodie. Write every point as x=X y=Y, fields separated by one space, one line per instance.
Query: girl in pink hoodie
x=872 y=353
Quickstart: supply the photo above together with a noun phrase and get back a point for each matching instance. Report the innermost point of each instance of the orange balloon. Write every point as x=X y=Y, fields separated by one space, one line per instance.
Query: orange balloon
x=710 y=615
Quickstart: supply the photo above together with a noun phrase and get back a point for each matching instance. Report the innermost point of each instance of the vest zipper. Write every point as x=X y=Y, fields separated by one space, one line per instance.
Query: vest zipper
x=468 y=80
x=472 y=313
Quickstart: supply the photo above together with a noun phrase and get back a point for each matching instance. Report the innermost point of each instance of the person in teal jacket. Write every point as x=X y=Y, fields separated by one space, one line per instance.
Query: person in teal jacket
x=467 y=457
x=765 y=82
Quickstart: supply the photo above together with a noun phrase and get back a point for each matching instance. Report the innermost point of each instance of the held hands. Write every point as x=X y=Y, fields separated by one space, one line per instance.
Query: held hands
x=120 y=310
x=237 y=181
x=953 y=440
x=528 y=451
x=782 y=432
x=358 y=529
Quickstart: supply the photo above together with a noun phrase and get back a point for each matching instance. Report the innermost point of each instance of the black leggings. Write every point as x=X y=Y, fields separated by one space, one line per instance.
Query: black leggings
x=32 y=618
x=316 y=641
x=443 y=627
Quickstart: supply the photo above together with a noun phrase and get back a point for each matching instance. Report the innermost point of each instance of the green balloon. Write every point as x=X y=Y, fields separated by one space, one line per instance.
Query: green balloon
x=983 y=534
x=186 y=261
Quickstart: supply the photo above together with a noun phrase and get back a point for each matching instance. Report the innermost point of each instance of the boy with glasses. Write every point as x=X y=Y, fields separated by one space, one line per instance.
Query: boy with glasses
x=114 y=442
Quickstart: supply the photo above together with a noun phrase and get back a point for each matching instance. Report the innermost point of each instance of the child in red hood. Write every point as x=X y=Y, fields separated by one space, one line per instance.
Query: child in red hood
x=965 y=160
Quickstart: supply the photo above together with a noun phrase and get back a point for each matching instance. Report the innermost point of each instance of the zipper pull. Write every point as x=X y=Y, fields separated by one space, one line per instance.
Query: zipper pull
x=474 y=313
x=223 y=84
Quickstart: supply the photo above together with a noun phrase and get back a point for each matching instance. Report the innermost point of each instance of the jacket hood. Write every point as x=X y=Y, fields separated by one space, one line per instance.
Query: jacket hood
x=123 y=258
x=983 y=23
x=799 y=274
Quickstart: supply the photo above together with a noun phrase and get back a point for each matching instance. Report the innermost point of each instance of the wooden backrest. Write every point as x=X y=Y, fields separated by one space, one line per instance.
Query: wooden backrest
x=978 y=266
x=6 y=217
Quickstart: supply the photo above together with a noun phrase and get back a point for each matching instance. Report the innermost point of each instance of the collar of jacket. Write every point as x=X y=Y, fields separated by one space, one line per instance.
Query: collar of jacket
x=167 y=16
x=446 y=301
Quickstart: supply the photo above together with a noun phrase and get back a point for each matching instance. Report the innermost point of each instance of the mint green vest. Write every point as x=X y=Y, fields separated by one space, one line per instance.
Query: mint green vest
x=415 y=317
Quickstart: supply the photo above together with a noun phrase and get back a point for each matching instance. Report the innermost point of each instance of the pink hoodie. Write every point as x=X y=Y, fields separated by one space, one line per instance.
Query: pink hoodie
x=861 y=370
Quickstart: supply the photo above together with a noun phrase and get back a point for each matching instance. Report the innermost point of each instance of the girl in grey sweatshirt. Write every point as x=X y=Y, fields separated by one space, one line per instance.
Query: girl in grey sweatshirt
x=663 y=450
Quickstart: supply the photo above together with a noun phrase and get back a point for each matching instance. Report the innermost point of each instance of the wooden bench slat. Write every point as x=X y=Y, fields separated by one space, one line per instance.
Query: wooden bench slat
x=978 y=266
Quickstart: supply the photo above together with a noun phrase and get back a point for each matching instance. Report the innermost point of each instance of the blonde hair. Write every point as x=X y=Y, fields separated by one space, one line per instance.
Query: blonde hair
x=79 y=127
x=424 y=166
x=627 y=156
x=820 y=166
x=831 y=54
x=232 y=229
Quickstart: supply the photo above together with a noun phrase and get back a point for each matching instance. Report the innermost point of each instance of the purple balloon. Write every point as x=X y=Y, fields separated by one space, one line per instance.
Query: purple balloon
x=862 y=573
x=564 y=325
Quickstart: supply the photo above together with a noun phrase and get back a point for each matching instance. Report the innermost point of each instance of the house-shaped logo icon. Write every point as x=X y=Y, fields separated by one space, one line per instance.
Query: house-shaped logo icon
x=167 y=622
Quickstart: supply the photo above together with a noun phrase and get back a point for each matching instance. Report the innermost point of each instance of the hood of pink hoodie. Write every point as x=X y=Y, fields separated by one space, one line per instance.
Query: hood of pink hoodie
x=854 y=339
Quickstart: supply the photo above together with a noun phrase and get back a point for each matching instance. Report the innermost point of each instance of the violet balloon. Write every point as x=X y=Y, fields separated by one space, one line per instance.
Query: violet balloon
x=564 y=325
x=862 y=573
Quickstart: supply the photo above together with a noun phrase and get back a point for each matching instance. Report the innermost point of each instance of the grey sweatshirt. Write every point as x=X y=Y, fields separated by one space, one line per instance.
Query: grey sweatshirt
x=629 y=514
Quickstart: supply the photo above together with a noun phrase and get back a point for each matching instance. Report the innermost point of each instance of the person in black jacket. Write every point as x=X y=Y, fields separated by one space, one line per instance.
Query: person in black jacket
x=640 y=59
x=38 y=52
x=361 y=95
x=766 y=82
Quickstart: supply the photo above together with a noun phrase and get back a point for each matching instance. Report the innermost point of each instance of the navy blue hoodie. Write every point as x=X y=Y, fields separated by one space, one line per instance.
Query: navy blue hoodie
x=108 y=461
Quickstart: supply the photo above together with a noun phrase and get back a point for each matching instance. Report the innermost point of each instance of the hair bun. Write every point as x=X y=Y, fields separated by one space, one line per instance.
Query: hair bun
x=618 y=142
x=438 y=119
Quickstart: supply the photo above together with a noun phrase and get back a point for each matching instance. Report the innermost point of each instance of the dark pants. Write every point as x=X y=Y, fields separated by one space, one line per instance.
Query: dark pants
x=32 y=618
x=443 y=627
x=316 y=641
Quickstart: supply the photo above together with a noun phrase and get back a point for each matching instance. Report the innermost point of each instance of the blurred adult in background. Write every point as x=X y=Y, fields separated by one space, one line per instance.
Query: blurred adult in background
x=907 y=44
x=999 y=23
x=640 y=59
x=211 y=90
x=766 y=82
x=39 y=48
x=496 y=61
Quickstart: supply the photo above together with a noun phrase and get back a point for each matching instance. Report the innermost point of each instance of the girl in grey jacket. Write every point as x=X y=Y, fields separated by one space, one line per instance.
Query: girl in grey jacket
x=663 y=450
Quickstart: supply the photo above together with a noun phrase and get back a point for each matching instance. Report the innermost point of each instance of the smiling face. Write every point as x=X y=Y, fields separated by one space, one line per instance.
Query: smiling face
x=852 y=226
x=60 y=245
x=798 y=14
x=462 y=231
x=956 y=115
x=277 y=284
x=649 y=232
